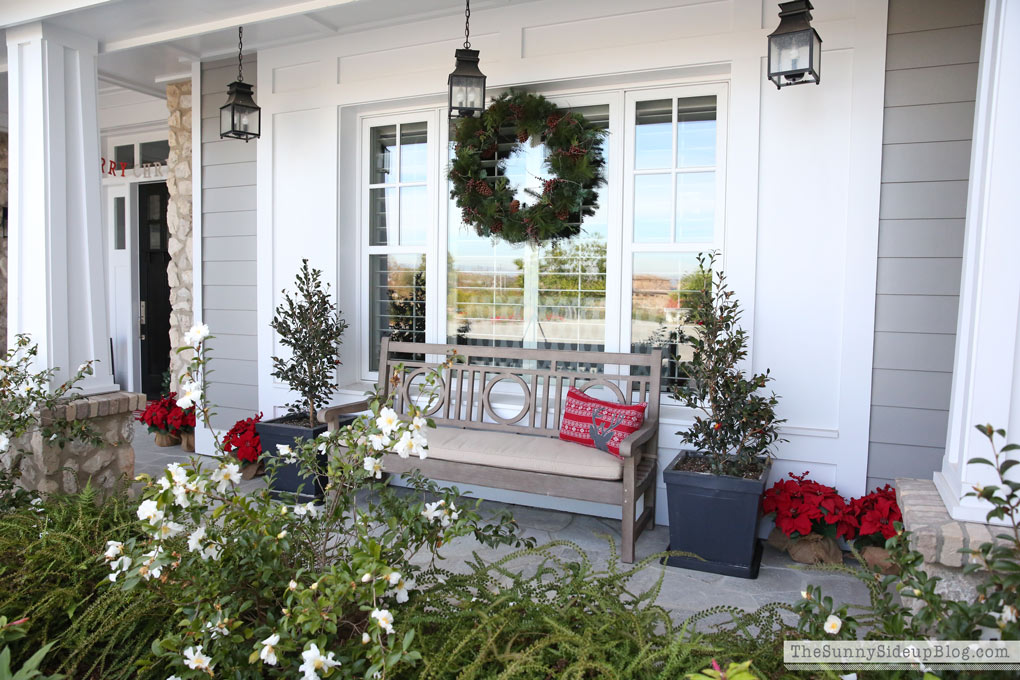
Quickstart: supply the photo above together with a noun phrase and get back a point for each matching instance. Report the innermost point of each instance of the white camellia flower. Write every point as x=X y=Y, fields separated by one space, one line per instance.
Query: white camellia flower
x=384 y=618
x=211 y=552
x=439 y=511
x=309 y=509
x=225 y=475
x=374 y=466
x=191 y=394
x=379 y=442
x=388 y=421
x=393 y=578
x=285 y=452
x=149 y=511
x=292 y=585
x=195 y=539
x=119 y=566
x=196 y=335
x=149 y=568
x=177 y=473
x=315 y=661
x=365 y=638
x=833 y=624
x=169 y=529
x=418 y=424
x=174 y=677
x=365 y=578
x=1007 y=616
x=408 y=445
x=400 y=590
x=5 y=442
x=218 y=629
x=268 y=653
x=114 y=549
x=196 y=660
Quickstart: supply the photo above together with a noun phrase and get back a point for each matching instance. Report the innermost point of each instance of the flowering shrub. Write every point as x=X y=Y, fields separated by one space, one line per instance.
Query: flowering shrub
x=803 y=506
x=875 y=516
x=287 y=589
x=243 y=441
x=25 y=394
x=907 y=606
x=157 y=414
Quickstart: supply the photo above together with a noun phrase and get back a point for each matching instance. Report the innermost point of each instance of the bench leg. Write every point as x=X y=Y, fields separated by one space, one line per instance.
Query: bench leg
x=629 y=508
x=649 y=497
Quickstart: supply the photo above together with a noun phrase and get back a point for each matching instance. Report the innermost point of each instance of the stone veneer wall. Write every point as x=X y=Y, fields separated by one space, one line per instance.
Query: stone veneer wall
x=50 y=469
x=3 y=246
x=178 y=182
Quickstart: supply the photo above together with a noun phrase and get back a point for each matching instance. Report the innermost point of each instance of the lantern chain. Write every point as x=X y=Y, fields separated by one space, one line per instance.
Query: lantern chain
x=240 y=46
x=467 y=24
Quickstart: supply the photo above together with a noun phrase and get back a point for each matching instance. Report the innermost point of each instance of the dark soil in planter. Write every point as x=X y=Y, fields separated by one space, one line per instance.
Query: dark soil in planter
x=714 y=517
x=691 y=463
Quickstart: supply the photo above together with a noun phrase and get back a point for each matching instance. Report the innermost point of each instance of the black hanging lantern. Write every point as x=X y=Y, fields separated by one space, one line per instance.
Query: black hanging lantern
x=467 y=83
x=240 y=117
x=795 y=50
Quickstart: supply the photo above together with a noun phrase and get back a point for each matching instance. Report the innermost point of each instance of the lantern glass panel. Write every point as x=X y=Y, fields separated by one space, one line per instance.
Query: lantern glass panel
x=225 y=120
x=467 y=92
x=791 y=52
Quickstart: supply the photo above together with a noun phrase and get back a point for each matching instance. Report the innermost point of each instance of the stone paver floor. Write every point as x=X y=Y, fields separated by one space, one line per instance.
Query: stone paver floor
x=683 y=591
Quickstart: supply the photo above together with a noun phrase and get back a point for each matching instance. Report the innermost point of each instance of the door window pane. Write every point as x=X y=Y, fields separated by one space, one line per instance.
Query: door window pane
x=695 y=206
x=414 y=152
x=119 y=223
x=154 y=152
x=383 y=140
x=653 y=136
x=653 y=210
x=397 y=301
x=695 y=138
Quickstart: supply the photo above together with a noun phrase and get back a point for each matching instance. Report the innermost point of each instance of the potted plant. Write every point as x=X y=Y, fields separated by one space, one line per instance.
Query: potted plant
x=157 y=416
x=875 y=517
x=810 y=517
x=714 y=488
x=182 y=421
x=309 y=324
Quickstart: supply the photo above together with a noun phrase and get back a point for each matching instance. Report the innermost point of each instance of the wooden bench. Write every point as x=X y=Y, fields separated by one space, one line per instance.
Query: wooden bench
x=476 y=442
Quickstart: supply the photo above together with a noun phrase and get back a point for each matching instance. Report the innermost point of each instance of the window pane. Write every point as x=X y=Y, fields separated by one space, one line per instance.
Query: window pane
x=519 y=296
x=154 y=152
x=653 y=221
x=695 y=206
x=695 y=139
x=415 y=215
x=414 y=152
x=396 y=300
x=119 y=223
x=382 y=142
x=124 y=154
x=659 y=284
x=653 y=140
x=382 y=216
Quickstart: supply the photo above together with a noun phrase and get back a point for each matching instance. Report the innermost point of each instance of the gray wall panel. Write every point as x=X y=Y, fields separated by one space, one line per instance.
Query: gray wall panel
x=931 y=80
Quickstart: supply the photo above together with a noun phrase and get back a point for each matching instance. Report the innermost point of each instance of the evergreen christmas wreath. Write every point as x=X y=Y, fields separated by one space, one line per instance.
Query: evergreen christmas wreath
x=485 y=196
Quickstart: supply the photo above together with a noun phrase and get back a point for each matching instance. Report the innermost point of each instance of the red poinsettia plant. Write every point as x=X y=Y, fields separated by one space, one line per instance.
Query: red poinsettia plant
x=876 y=515
x=803 y=506
x=243 y=441
x=157 y=414
x=181 y=420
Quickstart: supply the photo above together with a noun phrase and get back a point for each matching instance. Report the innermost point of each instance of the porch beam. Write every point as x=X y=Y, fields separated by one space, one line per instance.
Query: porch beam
x=56 y=287
x=986 y=370
x=20 y=12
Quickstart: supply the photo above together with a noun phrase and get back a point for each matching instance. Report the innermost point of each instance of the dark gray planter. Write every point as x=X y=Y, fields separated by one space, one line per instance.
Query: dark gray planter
x=716 y=518
x=288 y=475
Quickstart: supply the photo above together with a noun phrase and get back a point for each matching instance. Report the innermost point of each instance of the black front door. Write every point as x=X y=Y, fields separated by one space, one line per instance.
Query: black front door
x=153 y=286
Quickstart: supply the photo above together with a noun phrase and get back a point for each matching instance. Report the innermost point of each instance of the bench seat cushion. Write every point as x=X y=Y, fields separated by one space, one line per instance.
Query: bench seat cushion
x=521 y=452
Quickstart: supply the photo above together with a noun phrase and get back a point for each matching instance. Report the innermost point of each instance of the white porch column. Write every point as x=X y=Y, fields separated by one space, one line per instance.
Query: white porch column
x=986 y=372
x=56 y=283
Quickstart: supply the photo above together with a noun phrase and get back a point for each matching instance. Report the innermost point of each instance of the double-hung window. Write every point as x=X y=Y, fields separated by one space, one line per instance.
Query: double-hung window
x=398 y=226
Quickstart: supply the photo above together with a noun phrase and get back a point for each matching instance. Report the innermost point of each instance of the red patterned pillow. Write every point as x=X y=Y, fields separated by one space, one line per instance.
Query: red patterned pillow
x=599 y=424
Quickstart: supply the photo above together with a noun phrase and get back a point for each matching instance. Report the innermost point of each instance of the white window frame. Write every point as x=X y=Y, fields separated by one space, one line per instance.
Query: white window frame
x=629 y=247
x=431 y=118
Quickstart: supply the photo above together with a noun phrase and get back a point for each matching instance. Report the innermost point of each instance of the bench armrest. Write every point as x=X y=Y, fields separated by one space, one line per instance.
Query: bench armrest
x=638 y=438
x=330 y=415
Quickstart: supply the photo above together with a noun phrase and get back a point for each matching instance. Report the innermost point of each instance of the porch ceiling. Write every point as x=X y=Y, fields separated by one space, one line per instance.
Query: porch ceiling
x=143 y=43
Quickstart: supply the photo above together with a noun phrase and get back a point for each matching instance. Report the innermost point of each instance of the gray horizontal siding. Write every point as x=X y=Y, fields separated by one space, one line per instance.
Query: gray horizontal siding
x=228 y=252
x=931 y=80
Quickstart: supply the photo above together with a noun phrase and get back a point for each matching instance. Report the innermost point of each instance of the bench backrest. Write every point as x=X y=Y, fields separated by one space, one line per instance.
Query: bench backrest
x=538 y=379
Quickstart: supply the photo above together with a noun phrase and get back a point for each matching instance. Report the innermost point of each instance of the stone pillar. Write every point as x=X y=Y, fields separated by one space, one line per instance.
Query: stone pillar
x=56 y=282
x=986 y=370
x=179 y=271
x=50 y=469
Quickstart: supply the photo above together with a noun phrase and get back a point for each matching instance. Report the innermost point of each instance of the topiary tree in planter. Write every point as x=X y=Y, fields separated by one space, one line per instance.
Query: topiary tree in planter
x=735 y=424
x=721 y=478
x=310 y=324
